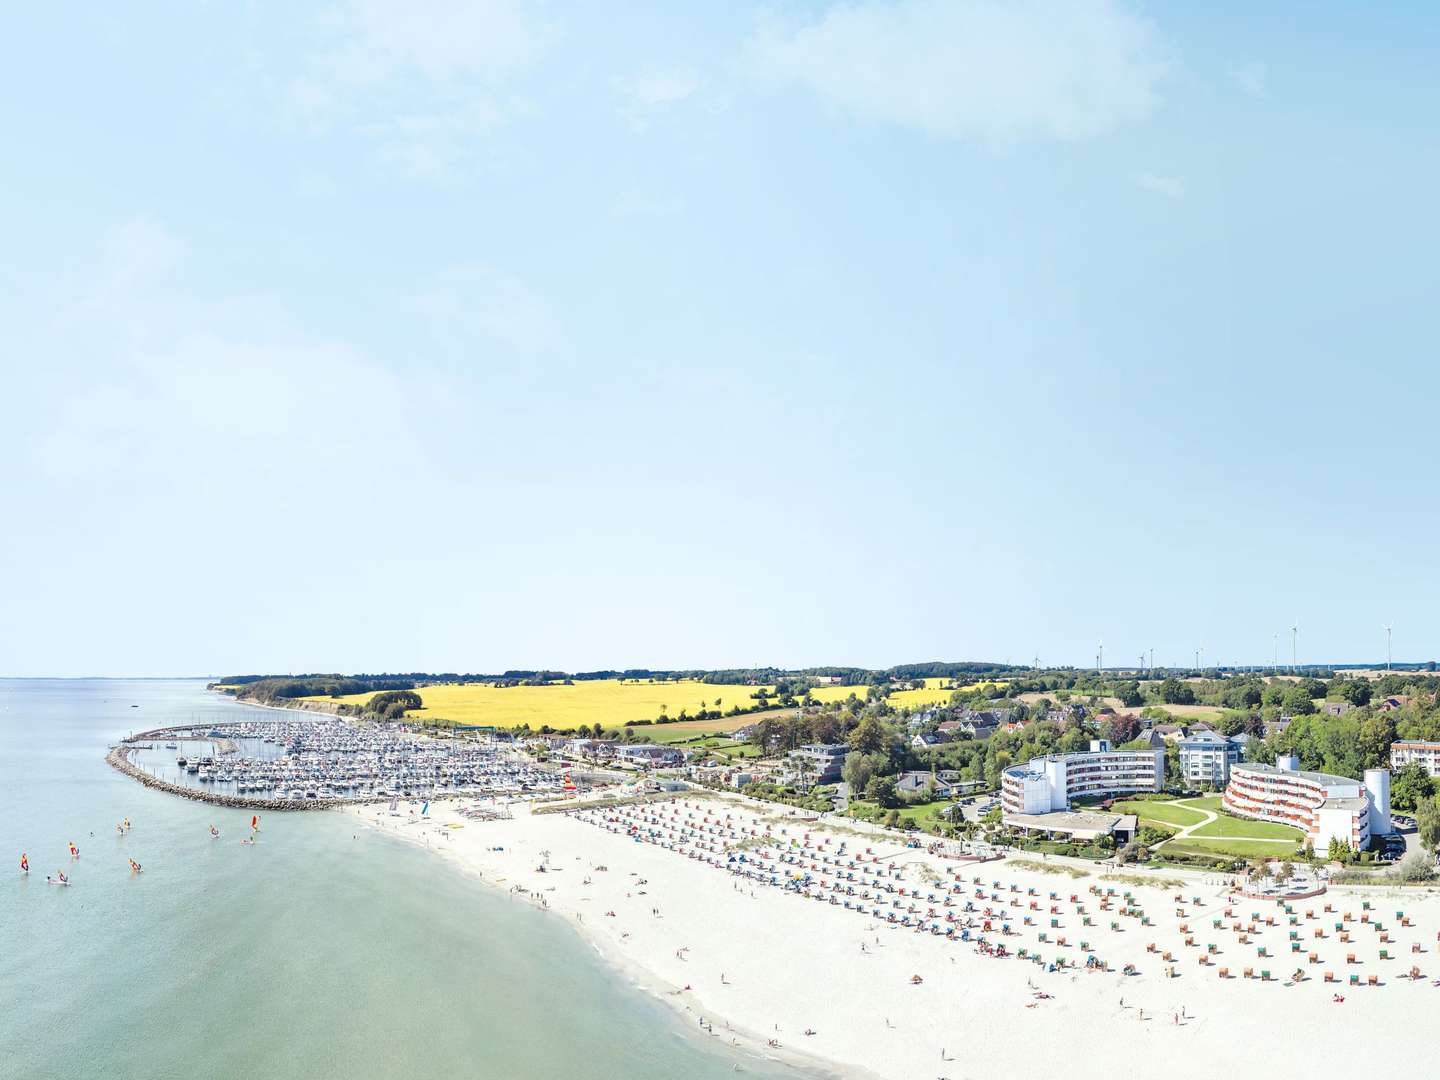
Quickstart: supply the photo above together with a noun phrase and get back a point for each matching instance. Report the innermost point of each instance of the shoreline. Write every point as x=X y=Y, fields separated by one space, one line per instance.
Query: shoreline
x=745 y=1044
x=767 y=964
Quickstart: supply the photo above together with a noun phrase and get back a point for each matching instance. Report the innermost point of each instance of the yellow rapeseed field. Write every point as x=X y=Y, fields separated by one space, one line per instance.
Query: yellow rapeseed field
x=933 y=694
x=610 y=702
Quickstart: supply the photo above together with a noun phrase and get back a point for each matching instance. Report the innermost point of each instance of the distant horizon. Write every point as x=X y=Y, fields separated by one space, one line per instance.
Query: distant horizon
x=1282 y=669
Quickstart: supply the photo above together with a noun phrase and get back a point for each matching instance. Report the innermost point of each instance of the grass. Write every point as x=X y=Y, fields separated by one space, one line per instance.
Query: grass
x=1048 y=867
x=1229 y=827
x=1159 y=813
x=565 y=707
x=1238 y=849
x=1140 y=879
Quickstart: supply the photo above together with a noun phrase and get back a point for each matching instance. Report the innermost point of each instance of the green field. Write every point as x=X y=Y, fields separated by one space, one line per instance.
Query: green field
x=564 y=707
x=923 y=815
x=1159 y=813
x=1229 y=827
x=1240 y=849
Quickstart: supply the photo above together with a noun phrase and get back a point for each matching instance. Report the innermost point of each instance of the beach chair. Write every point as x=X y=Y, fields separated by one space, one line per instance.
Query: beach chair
x=1319 y=933
x=1415 y=947
x=1166 y=957
x=1330 y=977
x=1212 y=949
x=1344 y=935
x=1314 y=958
x=1354 y=979
x=1265 y=975
x=1249 y=973
x=1350 y=958
x=1384 y=954
x=1415 y=973
x=1372 y=980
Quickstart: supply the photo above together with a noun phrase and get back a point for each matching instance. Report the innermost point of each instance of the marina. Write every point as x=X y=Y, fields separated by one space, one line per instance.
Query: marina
x=301 y=764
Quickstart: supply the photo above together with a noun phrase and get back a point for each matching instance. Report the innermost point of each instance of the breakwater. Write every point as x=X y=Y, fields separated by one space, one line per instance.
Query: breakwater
x=119 y=758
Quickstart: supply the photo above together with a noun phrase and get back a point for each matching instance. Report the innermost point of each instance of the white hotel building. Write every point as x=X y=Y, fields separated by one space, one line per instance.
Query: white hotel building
x=1320 y=805
x=1047 y=784
x=1426 y=753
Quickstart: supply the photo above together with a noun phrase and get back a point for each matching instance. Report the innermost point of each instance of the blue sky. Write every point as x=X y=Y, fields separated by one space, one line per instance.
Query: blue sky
x=471 y=336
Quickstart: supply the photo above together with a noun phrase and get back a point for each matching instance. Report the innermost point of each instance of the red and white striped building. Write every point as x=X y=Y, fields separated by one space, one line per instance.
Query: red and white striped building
x=1320 y=805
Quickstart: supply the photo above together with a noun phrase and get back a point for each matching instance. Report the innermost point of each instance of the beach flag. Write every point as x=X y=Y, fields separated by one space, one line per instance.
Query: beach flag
x=425 y=809
x=254 y=821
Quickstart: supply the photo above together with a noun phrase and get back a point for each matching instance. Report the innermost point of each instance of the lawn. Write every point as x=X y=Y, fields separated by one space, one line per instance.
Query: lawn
x=565 y=707
x=1151 y=812
x=1240 y=849
x=924 y=815
x=1229 y=827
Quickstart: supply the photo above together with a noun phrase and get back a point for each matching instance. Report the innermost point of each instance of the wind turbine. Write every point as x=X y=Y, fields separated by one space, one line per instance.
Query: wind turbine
x=1275 y=666
x=1100 y=658
x=1387 y=648
x=1294 y=644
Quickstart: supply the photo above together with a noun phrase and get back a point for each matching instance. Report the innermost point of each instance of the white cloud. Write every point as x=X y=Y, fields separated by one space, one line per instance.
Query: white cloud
x=1252 y=78
x=641 y=204
x=426 y=83
x=208 y=396
x=470 y=301
x=1172 y=186
x=653 y=90
x=986 y=68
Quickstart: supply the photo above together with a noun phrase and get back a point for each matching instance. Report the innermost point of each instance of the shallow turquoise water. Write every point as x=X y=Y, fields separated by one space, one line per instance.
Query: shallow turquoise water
x=323 y=951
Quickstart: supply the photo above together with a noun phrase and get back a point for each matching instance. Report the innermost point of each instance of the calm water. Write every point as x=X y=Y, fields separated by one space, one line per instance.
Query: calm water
x=323 y=951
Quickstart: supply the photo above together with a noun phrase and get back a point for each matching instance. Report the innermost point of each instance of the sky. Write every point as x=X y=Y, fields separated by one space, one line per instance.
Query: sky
x=452 y=336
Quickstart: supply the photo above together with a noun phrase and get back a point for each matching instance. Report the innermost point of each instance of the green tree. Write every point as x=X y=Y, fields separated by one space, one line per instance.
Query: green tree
x=1175 y=692
x=858 y=770
x=881 y=791
x=1427 y=822
x=1297 y=701
x=871 y=736
x=1411 y=786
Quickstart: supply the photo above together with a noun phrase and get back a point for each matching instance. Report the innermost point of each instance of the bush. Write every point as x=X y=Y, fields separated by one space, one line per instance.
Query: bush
x=1414 y=869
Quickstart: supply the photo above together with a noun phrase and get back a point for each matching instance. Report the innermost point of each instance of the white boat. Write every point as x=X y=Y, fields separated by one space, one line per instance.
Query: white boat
x=55 y=881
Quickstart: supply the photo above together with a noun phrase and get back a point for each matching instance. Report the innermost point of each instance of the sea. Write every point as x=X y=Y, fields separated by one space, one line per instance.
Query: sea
x=324 y=950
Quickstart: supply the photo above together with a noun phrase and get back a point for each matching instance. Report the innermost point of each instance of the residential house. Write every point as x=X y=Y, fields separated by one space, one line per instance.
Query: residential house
x=818 y=763
x=919 y=783
x=1206 y=757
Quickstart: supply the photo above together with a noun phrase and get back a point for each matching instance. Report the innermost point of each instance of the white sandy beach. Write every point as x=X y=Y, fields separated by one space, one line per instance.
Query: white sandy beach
x=761 y=963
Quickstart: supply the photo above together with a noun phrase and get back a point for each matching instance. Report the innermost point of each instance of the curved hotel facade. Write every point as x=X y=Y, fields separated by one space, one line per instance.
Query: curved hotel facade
x=1320 y=805
x=1047 y=784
